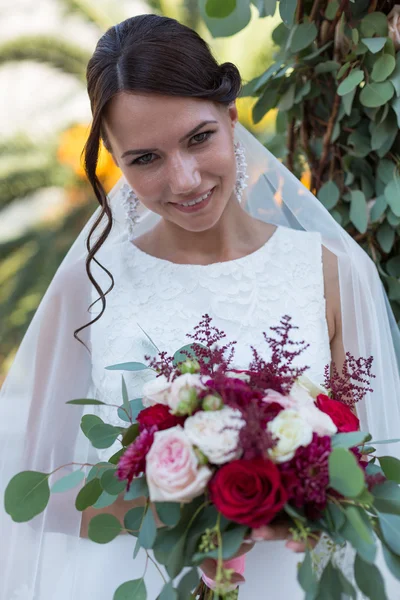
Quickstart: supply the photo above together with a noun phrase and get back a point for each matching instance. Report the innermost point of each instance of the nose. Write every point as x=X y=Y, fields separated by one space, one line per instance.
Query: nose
x=183 y=175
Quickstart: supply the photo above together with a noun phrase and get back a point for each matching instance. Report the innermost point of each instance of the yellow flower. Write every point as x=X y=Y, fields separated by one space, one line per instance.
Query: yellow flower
x=306 y=179
x=72 y=142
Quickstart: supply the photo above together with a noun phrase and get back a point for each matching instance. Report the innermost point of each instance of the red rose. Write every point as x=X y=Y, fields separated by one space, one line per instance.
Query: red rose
x=344 y=419
x=248 y=491
x=158 y=416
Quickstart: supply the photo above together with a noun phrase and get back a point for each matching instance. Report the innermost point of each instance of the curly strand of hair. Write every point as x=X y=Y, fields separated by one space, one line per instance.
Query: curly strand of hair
x=91 y=152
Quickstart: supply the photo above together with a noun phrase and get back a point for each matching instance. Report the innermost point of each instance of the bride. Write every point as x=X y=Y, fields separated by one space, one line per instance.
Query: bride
x=204 y=220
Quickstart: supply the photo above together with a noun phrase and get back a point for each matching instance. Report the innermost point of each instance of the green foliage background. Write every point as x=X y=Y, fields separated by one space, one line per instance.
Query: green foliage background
x=335 y=81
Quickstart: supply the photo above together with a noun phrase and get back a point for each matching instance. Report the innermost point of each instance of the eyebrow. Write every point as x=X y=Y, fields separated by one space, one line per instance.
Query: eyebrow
x=148 y=150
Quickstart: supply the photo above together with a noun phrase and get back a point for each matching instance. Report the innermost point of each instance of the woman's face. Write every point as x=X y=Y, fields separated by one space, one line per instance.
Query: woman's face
x=173 y=150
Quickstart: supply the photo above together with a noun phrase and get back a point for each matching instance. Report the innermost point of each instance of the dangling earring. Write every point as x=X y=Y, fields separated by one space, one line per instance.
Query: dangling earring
x=130 y=202
x=241 y=170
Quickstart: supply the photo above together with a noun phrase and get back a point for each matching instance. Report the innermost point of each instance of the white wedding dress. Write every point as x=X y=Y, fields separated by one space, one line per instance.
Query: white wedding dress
x=244 y=297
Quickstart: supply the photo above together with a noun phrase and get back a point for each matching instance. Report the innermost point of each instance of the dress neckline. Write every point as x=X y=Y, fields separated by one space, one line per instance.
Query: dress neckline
x=234 y=261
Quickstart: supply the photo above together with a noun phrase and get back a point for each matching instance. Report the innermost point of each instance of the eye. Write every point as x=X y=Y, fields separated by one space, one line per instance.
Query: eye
x=138 y=161
x=206 y=133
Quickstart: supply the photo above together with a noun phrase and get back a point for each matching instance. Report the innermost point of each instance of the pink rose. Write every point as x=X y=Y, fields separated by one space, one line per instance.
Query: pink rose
x=172 y=468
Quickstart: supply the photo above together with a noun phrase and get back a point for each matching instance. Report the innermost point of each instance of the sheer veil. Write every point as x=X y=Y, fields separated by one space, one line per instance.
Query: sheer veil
x=40 y=432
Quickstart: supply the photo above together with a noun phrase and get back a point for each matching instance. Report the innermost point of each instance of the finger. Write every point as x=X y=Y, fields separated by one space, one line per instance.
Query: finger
x=244 y=548
x=301 y=546
x=279 y=531
x=209 y=567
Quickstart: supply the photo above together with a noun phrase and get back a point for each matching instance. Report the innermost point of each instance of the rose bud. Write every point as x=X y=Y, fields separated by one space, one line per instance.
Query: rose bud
x=189 y=366
x=188 y=401
x=212 y=402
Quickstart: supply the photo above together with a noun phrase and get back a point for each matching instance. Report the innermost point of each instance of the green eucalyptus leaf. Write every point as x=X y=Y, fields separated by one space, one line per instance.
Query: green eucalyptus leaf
x=383 y=67
x=393 y=266
x=374 y=23
x=131 y=413
x=348 y=440
x=105 y=499
x=378 y=208
x=351 y=82
x=331 y=9
x=329 y=194
x=345 y=475
x=104 y=435
x=110 y=483
x=385 y=236
x=68 y=482
x=98 y=469
x=85 y=402
x=137 y=489
x=266 y=8
x=347 y=101
x=148 y=531
x=392 y=561
x=374 y=45
x=236 y=20
x=125 y=397
x=337 y=515
x=130 y=434
x=353 y=515
x=264 y=103
x=302 y=36
x=391 y=467
x=88 y=495
x=128 y=366
x=302 y=92
x=88 y=421
x=168 y=512
x=168 y=592
x=376 y=94
x=27 y=495
x=352 y=534
x=387 y=497
x=392 y=194
x=359 y=211
x=330 y=583
x=395 y=76
x=306 y=576
x=329 y=66
x=396 y=107
x=287 y=100
x=134 y=589
x=369 y=579
x=287 y=10
x=220 y=10
x=390 y=527
x=188 y=583
x=104 y=528
x=133 y=519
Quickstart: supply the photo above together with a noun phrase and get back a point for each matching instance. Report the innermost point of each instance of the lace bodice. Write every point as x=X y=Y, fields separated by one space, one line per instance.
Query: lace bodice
x=244 y=297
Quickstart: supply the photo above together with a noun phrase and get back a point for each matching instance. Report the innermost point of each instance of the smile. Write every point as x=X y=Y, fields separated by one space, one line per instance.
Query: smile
x=195 y=205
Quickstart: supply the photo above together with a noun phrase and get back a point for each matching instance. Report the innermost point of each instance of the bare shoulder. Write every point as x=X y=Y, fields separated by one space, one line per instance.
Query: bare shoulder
x=332 y=291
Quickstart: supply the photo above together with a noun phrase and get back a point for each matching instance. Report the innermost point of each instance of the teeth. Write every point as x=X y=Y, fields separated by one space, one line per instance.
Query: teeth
x=193 y=202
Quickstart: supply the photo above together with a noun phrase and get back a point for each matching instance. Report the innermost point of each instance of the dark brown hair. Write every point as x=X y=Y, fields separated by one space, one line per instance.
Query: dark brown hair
x=147 y=53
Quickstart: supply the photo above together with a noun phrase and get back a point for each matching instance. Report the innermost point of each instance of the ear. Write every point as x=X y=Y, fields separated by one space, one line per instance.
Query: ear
x=233 y=113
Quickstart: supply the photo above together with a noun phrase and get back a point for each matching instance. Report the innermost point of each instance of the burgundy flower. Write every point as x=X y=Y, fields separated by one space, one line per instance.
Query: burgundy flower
x=133 y=462
x=158 y=416
x=306 y=476
x=373 y=480
x=343 y=417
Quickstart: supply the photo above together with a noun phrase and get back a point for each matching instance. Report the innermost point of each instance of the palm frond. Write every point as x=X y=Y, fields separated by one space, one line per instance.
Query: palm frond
x=102 y=16
x=59 y=54
x=19 y=182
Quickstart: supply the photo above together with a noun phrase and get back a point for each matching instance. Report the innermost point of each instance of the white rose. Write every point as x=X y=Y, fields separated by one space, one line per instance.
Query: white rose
x=271 y=396
x=186 y=381
x=300 y=396
x=216 y=433
x=292 y=431
x=156 y=391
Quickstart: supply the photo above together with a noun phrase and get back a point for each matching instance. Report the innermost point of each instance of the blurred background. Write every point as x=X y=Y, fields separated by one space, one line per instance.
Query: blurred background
x=321 y=91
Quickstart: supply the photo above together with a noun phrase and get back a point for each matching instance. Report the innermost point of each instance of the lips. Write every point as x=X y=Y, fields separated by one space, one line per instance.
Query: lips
x=192 y=198
x=195 y=207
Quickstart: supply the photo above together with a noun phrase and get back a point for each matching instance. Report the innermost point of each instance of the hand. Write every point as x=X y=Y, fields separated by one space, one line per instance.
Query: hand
x=279 y=530
x=209 y=565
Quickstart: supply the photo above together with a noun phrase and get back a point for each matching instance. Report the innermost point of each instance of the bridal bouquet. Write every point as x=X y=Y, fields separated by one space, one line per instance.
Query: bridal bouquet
x=218 y=451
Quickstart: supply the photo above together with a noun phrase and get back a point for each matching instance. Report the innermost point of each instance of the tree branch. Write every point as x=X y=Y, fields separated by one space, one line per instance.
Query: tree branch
x=327 y=138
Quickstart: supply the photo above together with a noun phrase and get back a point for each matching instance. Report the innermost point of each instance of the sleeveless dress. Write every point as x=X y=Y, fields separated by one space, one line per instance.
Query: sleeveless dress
x=244 y=297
